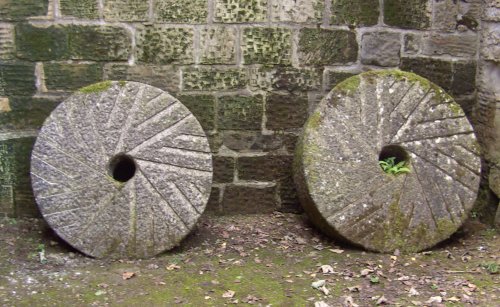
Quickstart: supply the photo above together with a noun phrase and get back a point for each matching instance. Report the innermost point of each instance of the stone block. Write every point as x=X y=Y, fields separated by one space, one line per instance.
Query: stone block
x=25 y=113
x=21 y=9
x=218 y=45
x=213 y=205
x=335 y=77
x=223 y=169
x=17 y=78
x=464 y=78
x=326 y=47
x=191 y=11
x=251 y=141
x=41 y=43
x=288 y=196
x=240 y=112
x=293 y=79
x=162 y=45
x=240 y=199
x=84 y=9
x=239 y=140
x=7 y=43
x=7 y=201
x=212 y=79
x=238 y=11
x=126 y=10
x=491 y=41
x=264 y=168
x=203 y=107
x=70 y=77
x=445 y=15
x=408 y=14
x=267 y=46
x=437 y=71
x=285 y=110
x=456 y=45
x=164 y=77
x=15 y=176
x=298 y=11
x=381 y=48
x=99 y=43
x=355 y=12
x=412 y=43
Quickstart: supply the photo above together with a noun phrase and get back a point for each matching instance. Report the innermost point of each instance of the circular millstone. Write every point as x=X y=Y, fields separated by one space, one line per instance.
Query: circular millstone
x=121 y=169
x=372 y=117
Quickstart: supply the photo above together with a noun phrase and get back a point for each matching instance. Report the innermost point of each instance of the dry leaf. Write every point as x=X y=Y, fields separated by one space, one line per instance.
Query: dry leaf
x=127 y=275
x=365 y=272
x=354 y=289
x=228 y=294
x=326 y=269
x=336 y=251
x=349 y=302
x=172 y=267
x=413 y=292
x=382 y=300
x=435 y=299
x=324 y=290
x=318 y=284
x=321 y=304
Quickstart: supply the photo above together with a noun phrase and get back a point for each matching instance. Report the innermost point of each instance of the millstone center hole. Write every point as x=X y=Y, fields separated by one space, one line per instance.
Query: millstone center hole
x=122 y=168
x=394 y=151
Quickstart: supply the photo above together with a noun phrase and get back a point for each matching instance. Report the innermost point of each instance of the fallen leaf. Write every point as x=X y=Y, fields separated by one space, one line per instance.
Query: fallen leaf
x=100 y=292
x=413 y=292
x=382 y=300
x=354 y=289
x=172 y=267
x=324 y=290
x=228 y=294
x=365 y=272
x=318 y=284
x=326 y=269
x=452 y=299
x=349 y=302
x=336 y=251
x=127 y=275
x=434 y=299
x=321 y=304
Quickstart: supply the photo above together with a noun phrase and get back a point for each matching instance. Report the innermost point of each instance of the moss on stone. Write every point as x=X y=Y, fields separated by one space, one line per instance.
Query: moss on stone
x=349 y=85
x=325 y=47
x=96 y=88
x=355 y=12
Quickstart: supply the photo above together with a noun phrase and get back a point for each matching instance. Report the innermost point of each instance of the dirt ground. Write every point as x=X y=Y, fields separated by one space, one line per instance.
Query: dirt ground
x=263 y=260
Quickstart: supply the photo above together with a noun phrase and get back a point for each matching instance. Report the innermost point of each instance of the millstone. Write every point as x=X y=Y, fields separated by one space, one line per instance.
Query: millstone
x=121 y=169
x=371 y=117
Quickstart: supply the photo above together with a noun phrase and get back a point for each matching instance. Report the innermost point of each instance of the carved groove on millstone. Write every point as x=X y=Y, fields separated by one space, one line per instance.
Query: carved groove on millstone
x=345 y=191
x=121 y=169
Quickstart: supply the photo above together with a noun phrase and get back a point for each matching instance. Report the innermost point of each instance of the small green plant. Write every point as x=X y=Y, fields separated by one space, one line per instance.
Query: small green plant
x=491 y=267
x=374 y=279
x=390 y=166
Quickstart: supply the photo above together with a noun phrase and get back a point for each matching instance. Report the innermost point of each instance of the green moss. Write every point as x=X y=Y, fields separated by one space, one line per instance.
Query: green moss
x=96 y=88
x=122 y=83
x=349 y=85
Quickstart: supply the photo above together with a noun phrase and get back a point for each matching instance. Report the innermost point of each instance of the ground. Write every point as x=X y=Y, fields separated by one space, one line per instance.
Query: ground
x=277 y=260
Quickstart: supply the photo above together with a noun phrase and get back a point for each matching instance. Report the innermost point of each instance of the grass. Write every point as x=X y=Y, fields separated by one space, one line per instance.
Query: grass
x=389 y=166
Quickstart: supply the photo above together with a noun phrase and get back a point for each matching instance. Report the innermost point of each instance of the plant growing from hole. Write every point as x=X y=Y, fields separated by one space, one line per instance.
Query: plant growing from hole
x=390 y=166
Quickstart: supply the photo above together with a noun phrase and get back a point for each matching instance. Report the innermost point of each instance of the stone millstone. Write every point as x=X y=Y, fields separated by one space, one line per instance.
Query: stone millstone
x=373 y=116
x=121 y=169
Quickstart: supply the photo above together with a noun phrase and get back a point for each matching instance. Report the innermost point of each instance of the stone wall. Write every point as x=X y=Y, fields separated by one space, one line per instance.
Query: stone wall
x=250 y=70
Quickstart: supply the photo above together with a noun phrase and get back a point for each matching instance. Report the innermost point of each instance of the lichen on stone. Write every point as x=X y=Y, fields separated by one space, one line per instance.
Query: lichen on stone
x=96 y=88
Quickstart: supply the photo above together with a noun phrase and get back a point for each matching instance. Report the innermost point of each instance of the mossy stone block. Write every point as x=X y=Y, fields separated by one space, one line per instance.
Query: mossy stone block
x=99 y=43
x=7 y=42
x=285 y=110
x=15 y=164
x=203 y=107
x=237 y=11
x=437 y=71
x=249 y=200
x=264 y=168
x=203 y=79
x=381 y=48
x=464 y=78
x=165 y=77
x=70 y=77
x=335 y=77
x=298 y=11
x=218 y=45
x=126 y=10
x=84 y=9
x=26 y=113
x=192 y=11
x=355 y=12
x=240 y=112
x=325 y=47
x=41 y=43
x=408 y=14
x=17 y=78
x=161 y=45
x=223 y=169
x=267 y=46
x=21 y=9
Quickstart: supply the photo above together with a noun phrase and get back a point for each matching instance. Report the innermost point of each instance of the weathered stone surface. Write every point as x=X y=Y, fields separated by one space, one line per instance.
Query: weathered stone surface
x=285 y=110
x=490 y=49
x=355 y=12
x=69 y=77
x=21 y=9
x=41 y=43
x=335 y=77
x=348 y=195
x=240 y=112
x=126 y=10
x=267 y=46
x=237 y=11
x=6 y=41
x=180 y=11
x=412 y=43
x=408 y=14
x=203 y=107
x=17 y=79
x=85 y=9
x=299 y=11
x=99 y=43
x=326 y=47
x=218 y=45
x=460 y=45
x=162 y=45
x=264 y=168
x=24 y=113
x=165 y=77
x=121 y=169
x=213 y=206
x=242 y=200
x=381 y=48
x=223 y=169
x=211 y=79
